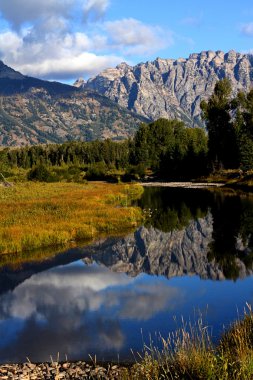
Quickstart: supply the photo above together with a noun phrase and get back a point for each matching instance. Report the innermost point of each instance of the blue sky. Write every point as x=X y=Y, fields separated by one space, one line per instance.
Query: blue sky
x=67 y=39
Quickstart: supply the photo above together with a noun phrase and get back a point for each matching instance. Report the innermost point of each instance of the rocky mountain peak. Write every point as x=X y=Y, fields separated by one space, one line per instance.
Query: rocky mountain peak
x=123 y=66
x=173 y=88
x=79 y=82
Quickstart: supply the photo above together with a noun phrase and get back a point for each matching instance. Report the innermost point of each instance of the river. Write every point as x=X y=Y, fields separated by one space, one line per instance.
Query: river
x=193 y=256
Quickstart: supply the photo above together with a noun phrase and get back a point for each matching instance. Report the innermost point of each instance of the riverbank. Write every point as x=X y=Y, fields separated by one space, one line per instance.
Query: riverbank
x=186 y=185
x=36 y=215
x=233 y=179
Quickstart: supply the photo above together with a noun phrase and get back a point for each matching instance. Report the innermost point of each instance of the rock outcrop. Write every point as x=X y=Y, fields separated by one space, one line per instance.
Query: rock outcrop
x=173 y=88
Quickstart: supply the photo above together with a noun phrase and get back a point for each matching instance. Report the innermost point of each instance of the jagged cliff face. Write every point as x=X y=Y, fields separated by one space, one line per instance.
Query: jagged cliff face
x=172 y=254
x=173 y=88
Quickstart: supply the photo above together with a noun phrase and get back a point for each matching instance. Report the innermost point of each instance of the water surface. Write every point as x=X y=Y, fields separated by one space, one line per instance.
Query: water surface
x=194 y=254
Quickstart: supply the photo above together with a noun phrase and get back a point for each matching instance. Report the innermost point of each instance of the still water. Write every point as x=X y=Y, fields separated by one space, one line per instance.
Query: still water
x=193 y=255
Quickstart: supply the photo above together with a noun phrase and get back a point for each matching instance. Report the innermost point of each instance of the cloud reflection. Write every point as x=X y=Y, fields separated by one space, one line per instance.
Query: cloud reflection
x=77 y=310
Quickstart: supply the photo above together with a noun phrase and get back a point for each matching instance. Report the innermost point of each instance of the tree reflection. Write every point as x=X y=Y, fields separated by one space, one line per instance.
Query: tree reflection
x=170 y=209
x=232 y=233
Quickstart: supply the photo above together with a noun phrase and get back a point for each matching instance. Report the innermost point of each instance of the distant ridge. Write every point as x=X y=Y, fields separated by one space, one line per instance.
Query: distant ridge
x=34 y=111
x=173 y=88
x=13 y=82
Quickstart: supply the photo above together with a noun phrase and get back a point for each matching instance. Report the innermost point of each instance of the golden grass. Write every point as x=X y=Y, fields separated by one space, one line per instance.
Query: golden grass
x=189 y=354
x=35 y=215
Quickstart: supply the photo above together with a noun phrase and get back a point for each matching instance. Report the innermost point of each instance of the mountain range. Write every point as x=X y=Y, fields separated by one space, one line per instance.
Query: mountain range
x=173 y=88
x=34 y=111
x=115 y=102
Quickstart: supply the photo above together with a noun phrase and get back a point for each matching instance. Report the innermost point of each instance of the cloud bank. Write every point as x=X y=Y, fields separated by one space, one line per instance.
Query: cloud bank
x=66 y=39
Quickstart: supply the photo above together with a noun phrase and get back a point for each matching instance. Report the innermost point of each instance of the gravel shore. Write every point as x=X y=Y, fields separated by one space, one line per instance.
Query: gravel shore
x=58 y=371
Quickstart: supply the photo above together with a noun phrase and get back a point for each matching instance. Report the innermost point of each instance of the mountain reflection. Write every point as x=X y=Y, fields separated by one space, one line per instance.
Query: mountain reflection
x=231 y=243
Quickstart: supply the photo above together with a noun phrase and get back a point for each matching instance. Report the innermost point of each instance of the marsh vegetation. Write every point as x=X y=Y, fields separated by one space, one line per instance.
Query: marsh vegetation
x=35 y=215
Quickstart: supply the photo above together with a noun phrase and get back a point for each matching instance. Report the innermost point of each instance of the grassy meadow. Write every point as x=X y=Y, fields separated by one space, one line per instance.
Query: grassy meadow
x=37 y=214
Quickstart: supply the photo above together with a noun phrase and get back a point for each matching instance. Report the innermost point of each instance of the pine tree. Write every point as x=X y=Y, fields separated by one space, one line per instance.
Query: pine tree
x=222 y=142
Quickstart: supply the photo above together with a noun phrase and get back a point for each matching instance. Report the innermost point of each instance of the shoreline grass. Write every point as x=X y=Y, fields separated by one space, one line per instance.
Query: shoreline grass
x=35 y=215
x=190 y=354
x=233 y=179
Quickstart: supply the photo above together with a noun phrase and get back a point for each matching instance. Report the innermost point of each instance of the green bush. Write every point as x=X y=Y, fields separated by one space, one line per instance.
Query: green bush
x=97 y=171
x=68 y=173
x=134 y=173
x=40 y=173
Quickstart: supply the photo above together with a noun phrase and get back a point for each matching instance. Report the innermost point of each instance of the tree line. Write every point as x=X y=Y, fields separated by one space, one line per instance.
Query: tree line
x=166 y=148
x=69 y=153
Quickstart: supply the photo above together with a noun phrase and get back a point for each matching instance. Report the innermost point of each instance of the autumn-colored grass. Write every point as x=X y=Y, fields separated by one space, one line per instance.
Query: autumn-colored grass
x=189 y=354
x=35 y=215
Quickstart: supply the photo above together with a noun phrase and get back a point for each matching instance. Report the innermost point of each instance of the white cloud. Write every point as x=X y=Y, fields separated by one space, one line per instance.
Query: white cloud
x=82 y=290
x=150 y=300
x=88 y=289
x=54 y=56
x=135 y=37
x=30 y=10
x=95 y=8
x=247 y=29
x=10 y=43
x=71 y=67
x=48 y=39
